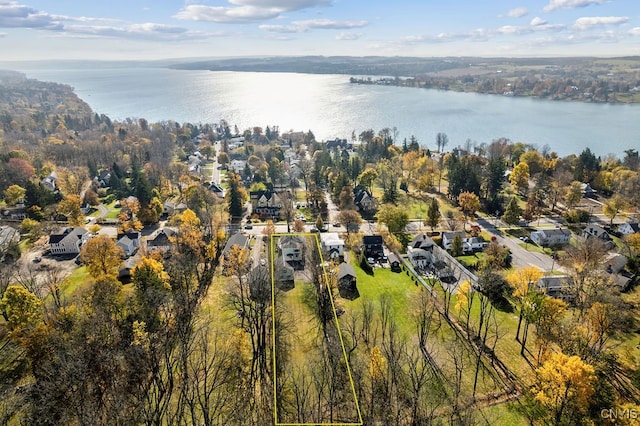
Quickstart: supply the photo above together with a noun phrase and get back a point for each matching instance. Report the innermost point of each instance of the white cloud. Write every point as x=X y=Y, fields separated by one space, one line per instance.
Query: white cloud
x=348 y=36
x=283 y=29
x=518 y=12
x=245 y=11
x=635 y=31
x=537 y=21
x=570 y=4
x=284 y=5
x=220 y=14
x=313 y=24
x=14 y=15
x=330 y=24
x=147 y=31
x=3 y=35
x=597 y=21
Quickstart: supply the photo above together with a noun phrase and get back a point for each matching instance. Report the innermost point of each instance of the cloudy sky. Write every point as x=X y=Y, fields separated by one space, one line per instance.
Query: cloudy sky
x=154 y=29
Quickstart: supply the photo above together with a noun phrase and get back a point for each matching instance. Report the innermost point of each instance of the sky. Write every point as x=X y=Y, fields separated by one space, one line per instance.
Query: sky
x=159 y=29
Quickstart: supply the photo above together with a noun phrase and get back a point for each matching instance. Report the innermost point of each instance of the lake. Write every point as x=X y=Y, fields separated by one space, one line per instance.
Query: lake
x=332 y=107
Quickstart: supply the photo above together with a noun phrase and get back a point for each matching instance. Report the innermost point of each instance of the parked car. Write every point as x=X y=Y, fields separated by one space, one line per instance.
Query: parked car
x=248 y=226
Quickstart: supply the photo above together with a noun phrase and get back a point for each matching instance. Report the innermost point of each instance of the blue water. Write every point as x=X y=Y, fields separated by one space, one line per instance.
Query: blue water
x=332 y=107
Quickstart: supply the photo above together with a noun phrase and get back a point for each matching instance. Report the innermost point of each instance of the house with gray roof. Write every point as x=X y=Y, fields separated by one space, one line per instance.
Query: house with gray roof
x=69 y=241
x=551 y=237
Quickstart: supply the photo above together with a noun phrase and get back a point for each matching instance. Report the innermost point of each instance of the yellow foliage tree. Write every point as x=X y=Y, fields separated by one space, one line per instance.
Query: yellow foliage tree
x=519 y=177
x=70 y=207
x=377 y=364
x=21 y=309
x=564 y=386
x=101 y=255
x=13 y=194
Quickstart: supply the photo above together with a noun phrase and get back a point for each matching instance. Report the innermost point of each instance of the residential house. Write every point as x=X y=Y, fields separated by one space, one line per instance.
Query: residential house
x=447 y=238
x=193 y=163
x=551 y=237
x=594 y=230
x=283 y=274
x=587 y=190
x=291 y=249
x=216 y=189
x=265 y=203
x=129 y=242
x=422 y=241
x=420 y=258
x=443 y=271
x=365 y=202
x=332 y=245
x=394 y=263
x=103 y=179
x=14 y=213
x=237 y=165
x=8 y=235
x=473 y=244
x=260 y=283
x=629 y=228
x=124 y=273
x=557 y=286
x=50 y=182
x=236 y=240
x=373 y=246
x=170 y=208
x=161 y=242
x=69 y=241
x=347 y=281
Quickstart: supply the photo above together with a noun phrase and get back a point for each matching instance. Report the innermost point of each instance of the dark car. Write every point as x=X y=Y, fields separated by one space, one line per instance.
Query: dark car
x=248 y=226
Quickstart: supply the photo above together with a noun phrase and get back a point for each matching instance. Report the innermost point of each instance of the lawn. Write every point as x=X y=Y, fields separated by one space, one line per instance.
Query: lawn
x=74 y=281
x=398 y=286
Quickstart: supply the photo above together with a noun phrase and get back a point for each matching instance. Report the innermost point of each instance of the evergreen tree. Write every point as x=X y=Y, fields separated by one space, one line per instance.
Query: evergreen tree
x=236 y=196
x=513 y=212
x=433 y=214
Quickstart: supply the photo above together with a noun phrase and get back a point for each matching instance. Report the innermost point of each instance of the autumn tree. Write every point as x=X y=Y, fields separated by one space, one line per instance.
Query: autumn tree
x=101 y=255
x=469 y=203
x=269 y=229
x=21 y=309
x=522 y=282
x=298 y=226
x=564 y=386
x=127 y=219
x=441 y=141
x=395 y=218
x=573 y=194
x=91 y=197
x=612 y=207
x=70 y=207
x=13 y=194
x=512 y=213
x=519 y=177
x=367 y=177
x=350 y=219
x=433 y=214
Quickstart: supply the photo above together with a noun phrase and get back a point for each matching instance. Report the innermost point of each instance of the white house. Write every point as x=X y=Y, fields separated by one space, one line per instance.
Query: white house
x=419 y=258
x=237 y=165
x=50 y=182
x=447 y=238
x=332 y=244
x=68 y=241
x=129 y=243
x=474 y=244
x=291 y=249
x=551 y=237
x=629 y=228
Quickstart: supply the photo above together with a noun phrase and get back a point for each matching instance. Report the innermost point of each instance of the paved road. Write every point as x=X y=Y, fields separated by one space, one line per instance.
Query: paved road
x=520 y=256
